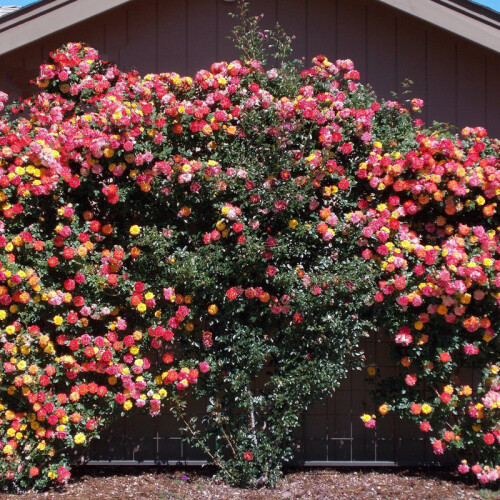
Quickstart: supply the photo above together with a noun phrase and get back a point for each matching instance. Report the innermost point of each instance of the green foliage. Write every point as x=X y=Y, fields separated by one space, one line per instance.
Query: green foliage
x=234 y=236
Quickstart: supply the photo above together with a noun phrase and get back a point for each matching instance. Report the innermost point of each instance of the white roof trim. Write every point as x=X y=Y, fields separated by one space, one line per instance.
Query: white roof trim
x=39 y=21
x=8 y=9
x=486 y=33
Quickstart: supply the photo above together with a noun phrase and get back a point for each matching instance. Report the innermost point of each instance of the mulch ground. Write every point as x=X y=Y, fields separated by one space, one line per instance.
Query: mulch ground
x=91 y=483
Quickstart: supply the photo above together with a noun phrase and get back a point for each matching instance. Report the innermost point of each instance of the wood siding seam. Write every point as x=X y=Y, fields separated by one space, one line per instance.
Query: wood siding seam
x=395 y=76
x=455 y=111
x=306 y=34
x=216 y=30
x=486 y=113
x=426 y=76
x=104 y=40
x=187 y=37
x=365 y=59
x=157 y=36
x=336 y=56
x=396 y=54
x=127 y=25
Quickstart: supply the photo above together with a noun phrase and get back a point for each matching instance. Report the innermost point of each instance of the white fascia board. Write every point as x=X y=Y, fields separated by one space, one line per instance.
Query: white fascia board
x=454 y=18
x=37 y=23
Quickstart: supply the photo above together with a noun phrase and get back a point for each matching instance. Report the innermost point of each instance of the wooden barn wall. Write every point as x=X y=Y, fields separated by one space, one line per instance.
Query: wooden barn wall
x=331 y=433
x=457 y=79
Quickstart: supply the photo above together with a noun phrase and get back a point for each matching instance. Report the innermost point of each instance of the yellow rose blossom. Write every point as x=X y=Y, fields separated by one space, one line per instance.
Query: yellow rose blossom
x=127 y=405
x=184 y=383
x=466 y=298
x=426 y=408
x=466 y=390
x=134 y=230
x=212 y=309
x=58 y=320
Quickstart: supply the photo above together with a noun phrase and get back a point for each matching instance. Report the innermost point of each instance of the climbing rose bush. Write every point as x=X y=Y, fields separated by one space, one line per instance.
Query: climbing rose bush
x=435 y=236
x=160 y=232
x=233 y=236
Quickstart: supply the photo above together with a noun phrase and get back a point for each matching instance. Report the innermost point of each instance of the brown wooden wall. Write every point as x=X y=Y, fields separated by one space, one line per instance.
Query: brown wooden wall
x=331 y=431
x=458 y=80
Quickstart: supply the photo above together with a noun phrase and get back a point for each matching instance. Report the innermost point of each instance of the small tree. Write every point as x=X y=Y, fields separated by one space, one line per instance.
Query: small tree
x=236 y=233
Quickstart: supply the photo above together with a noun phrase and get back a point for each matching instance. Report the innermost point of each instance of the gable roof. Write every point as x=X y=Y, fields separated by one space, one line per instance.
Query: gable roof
x=40 y=19
x=33 y=22
x=462 y=17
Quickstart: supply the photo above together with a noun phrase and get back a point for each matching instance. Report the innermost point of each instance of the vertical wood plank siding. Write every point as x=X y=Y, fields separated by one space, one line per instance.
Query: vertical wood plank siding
x=411 y=47
x=441 y=77
x=493 y=92
x=202 y=34
x=457 y=79
x=471 y=84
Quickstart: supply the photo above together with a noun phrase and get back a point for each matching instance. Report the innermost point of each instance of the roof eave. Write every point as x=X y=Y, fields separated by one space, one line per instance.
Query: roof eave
x=49 y=16
x=451 y=17
x=40 y=20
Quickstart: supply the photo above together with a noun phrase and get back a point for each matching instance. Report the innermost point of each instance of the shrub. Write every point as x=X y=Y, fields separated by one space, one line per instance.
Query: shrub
x=234 y=235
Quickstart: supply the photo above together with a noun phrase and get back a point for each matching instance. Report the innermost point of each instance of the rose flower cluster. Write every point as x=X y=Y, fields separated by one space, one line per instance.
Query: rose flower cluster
x=159 y=233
